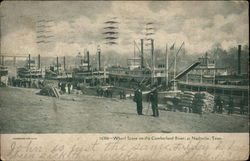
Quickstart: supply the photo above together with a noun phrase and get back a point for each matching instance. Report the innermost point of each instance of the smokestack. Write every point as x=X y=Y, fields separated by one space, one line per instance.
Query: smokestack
x=99 y=59
x=206 y=58
x=64 y=63
x=14 y=60
x=29 y=61
x=57 y=65
x=88 y=60
x=152 y=51
x=142 y=66
x=39 y=61
x=153 y=63
x=2 y=60
x=239 y=61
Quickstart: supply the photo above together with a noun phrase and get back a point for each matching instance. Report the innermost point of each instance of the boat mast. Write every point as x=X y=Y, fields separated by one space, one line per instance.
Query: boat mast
x=99 y=59
x=39 y=61
x=64 y=63
x=29 y=67
x=166 y=65
x=153 y=65
x=88 y=61
x=174 y=72
x=142 y=56
x=134 y=52
x=29 y=61
x=57 y=65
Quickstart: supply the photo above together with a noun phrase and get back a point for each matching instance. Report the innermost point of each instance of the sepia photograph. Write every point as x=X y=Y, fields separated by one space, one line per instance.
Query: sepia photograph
x=124 y=80
x=124 y=67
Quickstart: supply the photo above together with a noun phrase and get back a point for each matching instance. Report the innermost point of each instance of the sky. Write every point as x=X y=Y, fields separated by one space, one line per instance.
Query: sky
x=75 y=26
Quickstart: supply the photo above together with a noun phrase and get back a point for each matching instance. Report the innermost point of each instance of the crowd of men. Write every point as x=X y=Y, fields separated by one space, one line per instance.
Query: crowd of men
x=218 y=108
x=65 y=87
x=26 y=82
x=106 y=92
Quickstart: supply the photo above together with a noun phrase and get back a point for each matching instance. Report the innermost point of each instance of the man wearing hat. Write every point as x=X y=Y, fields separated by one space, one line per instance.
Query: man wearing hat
x=154 y=102
x=230 y=106
x=138 y=100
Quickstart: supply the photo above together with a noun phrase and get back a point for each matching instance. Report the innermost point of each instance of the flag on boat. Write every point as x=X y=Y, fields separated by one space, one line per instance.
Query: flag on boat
x=172 y=47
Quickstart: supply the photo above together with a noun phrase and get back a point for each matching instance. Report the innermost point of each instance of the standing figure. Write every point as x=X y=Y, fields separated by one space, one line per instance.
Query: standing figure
x=120 y=93
x=69 y=87
x=13 y=80
x=111 y=92
x=218 y=105
x=242 y=109
x=138 y=100
x=101 y=92
x=230 y=106
x=78 y=86
x=154 y=103
x=59 y=85
x=63 y=87
x=29 y=83
x=123 y=94
x=9 y=81
x=98 y=91
x=106 y=92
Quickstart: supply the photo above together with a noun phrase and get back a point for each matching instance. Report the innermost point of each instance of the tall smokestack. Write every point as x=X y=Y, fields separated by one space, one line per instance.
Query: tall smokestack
x=88 y=60
x=206 y=58
x=29 y=61
x=239 y=61
x=153 y=61
x=14 y=60
x=64 y=63
x=99 y=59
x=57 y=65
x=152 y=52
x=2 y=60
x=39 y=61
x=142 y=57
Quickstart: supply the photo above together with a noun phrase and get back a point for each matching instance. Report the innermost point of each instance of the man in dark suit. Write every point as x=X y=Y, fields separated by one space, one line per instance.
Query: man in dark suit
x=218 y=105
x=230 y=106
x=138 y=100
x=242 y=108
x=69 y=87
x=154 y=102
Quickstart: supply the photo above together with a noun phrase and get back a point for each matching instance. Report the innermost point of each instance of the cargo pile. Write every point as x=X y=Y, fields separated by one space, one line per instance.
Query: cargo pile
x=37 y=84
x=3 y=81
x=203 y=103
x=186 y=102
x=49 y=91
x=197 y=102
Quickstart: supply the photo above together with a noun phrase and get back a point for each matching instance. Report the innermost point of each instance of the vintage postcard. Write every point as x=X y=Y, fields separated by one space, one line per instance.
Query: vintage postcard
x=124 y=80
